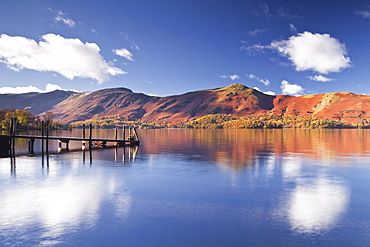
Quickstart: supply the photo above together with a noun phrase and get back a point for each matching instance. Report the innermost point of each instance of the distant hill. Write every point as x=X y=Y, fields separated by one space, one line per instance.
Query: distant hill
x=34 y=102
x=235 y=99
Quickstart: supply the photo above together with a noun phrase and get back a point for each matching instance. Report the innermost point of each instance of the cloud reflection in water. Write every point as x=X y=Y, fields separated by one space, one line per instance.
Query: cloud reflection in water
x=315 y=203
x=57 y=205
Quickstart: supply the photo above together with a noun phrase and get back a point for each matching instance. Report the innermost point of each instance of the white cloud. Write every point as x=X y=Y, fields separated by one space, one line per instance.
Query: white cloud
x=128 y=39
x=292 y=89
x=124 y=53
x=284 y=14
x=364 y=13
x=317 y=52
x=62 y=17
x=308 y=51
x=251 y=50
x=293 y=29
x=270 y=93
x=256 y=32
x=31 y=89
x=52 y=87
x=54 y=53
x=232 y=77
x=251 y=76
x=267 y=92
x=265 y=9
x=19 y=90
x=266 y=82
x=320 y=78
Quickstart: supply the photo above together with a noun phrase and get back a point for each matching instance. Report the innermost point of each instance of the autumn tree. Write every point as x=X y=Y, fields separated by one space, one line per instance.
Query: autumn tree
x=24 y=118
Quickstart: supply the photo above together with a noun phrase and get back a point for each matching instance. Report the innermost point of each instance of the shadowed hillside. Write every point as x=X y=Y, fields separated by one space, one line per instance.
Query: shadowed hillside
x=36 y=103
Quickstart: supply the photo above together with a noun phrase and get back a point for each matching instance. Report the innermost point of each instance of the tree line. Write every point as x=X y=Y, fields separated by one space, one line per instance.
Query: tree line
x=25 y=119
x=113 y=121
x=225 y=121
x=267 y=121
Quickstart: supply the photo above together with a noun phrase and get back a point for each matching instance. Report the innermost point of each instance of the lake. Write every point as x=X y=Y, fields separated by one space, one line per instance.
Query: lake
x=185 y=187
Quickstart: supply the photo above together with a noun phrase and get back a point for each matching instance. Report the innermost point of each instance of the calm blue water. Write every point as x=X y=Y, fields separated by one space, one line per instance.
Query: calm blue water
x=193 y=188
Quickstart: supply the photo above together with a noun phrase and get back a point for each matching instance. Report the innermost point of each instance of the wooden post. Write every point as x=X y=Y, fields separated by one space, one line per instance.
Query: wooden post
x=42 y=128
x=129 y=133
x=116 y=143
x=90 y=153
x=124 y=134
x=31 y=142
x=83 y=136
x=42 y=139
x=83 y=156
x=14 y=127
x=116 y=133
x=47 y=137
x=11 y=127
x=90 y=135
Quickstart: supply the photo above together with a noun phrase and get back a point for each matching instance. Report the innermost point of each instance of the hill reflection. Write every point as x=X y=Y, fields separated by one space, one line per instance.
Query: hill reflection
x=238 y=148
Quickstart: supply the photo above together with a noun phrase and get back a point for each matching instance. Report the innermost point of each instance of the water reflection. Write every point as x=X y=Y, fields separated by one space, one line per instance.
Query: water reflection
x=195 y=188
x=62 y=201
x=316 y=205
x=239 y=148
x=124 y=154
x=314 y=202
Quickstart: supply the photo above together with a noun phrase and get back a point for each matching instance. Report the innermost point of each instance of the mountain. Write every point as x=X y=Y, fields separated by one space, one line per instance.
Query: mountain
x=235 y=99
x=34 y=102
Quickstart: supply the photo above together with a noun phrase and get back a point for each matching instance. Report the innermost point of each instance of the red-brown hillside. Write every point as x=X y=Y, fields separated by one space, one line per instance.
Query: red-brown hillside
x=235 y=99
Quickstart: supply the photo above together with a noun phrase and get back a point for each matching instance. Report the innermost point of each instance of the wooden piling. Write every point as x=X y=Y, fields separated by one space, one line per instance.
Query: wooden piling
x=31 y=143
x=90 y=135
x=13 y=129
x=42 y=139
x=83 y=136
x=116 y=143
x=47 y=137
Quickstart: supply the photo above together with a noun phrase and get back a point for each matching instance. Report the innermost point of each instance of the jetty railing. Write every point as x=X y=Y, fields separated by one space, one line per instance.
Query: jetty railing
x=7 y=142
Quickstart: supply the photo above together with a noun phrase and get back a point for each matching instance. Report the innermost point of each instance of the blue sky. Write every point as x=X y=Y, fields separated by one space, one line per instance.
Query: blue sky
x=164 y=47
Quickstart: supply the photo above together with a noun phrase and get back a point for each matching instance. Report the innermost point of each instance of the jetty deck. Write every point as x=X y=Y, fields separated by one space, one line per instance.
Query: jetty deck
x=7 y=142
x=63 y=139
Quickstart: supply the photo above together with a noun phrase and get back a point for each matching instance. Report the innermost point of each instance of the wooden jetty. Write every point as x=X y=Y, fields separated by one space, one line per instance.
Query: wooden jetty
x=7 y=142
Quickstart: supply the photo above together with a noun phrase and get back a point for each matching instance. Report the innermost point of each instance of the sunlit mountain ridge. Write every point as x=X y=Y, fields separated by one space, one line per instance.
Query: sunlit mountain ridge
x=236 y=100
